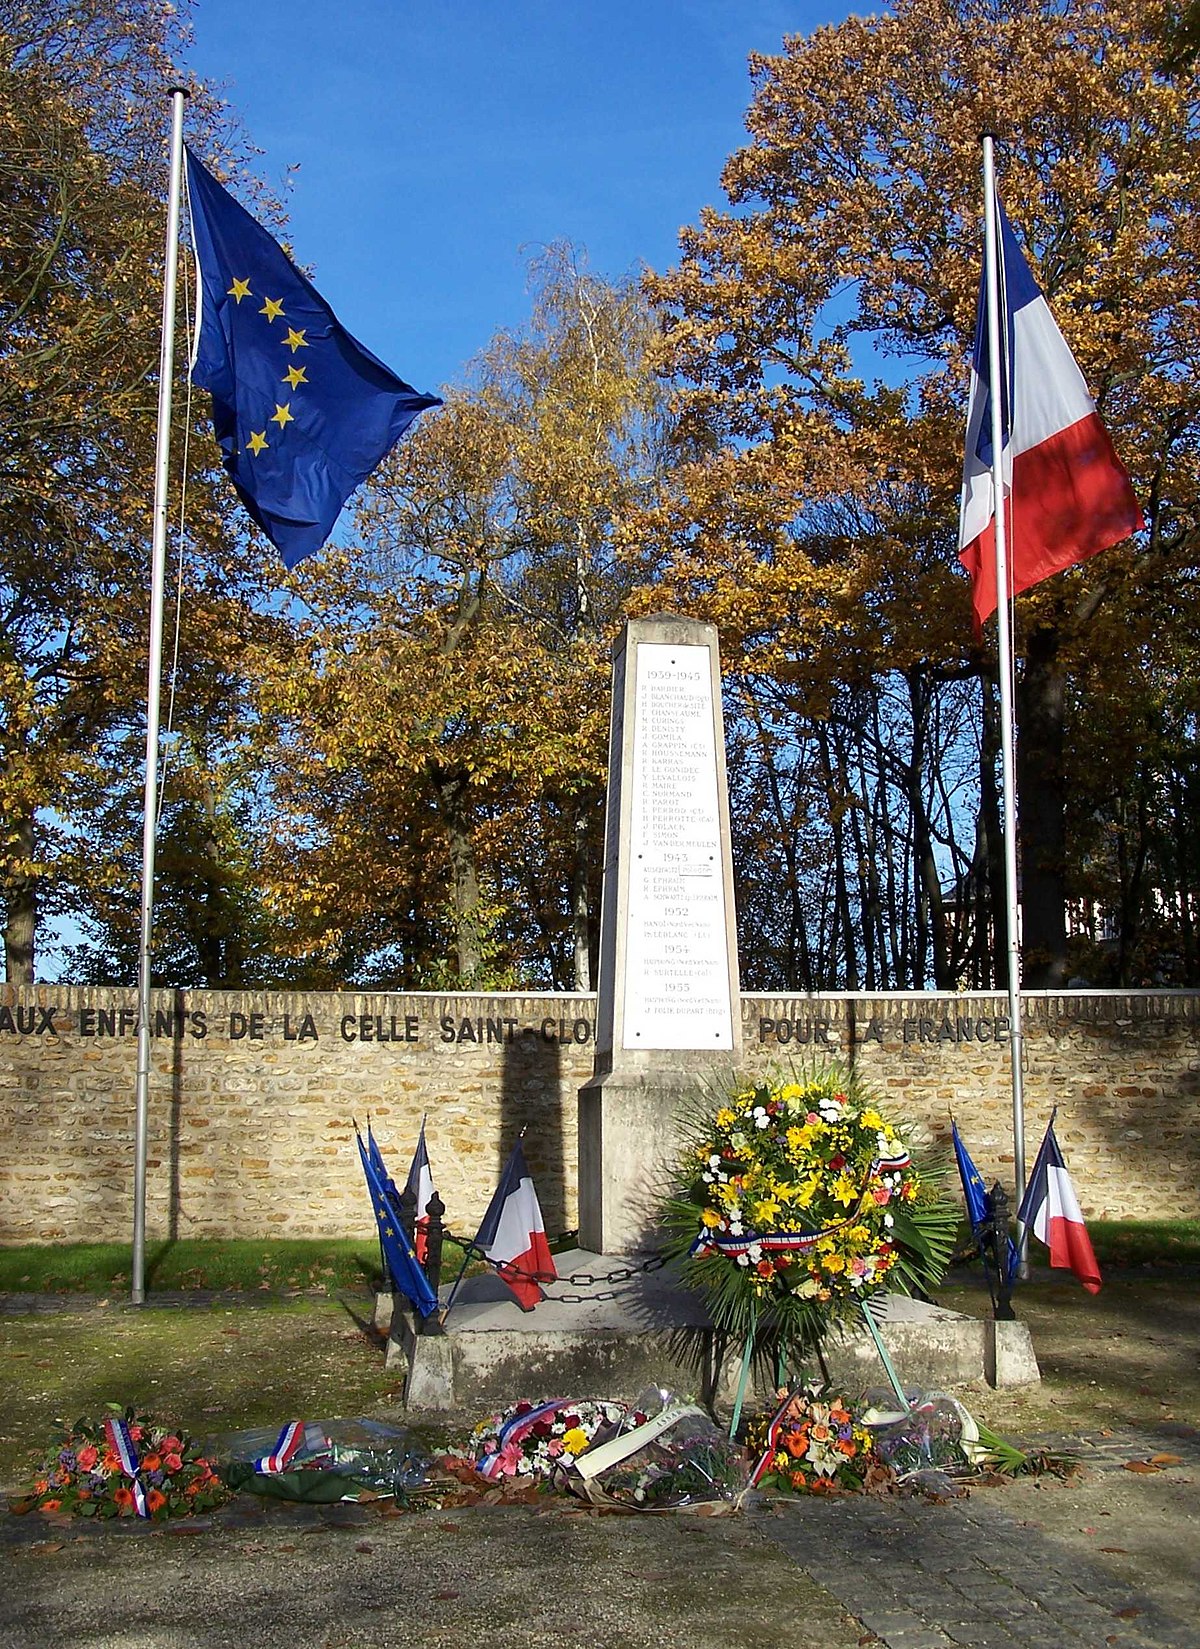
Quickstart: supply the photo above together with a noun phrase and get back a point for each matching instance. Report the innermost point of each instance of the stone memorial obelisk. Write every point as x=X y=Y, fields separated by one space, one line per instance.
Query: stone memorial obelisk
x=668 y=1011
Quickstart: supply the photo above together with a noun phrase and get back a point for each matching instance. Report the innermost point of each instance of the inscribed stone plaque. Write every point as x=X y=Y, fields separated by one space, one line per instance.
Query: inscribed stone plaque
x=676 y=961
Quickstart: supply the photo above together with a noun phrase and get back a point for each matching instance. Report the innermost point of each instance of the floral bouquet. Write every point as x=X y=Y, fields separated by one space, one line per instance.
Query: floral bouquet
x=813 y=1446
x=126 y=1465
x=532 y=1440
x=797 y=1199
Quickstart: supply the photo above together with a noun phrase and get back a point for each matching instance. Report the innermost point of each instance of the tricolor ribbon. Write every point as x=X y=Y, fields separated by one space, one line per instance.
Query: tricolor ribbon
x=515 y=1429
x=286 y=1444
x=121 y=1443
x=794 y=1242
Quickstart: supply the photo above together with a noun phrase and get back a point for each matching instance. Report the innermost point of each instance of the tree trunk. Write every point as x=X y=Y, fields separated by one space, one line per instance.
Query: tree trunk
x=1041 y=698
x=580 y=924
x=20 y=923
x=452 y=787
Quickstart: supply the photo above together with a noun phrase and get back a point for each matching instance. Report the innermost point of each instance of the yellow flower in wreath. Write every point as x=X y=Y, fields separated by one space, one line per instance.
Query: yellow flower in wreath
x=710 y=1217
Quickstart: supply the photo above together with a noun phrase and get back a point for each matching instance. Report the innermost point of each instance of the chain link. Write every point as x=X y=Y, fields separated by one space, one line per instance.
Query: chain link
x=577 y=1279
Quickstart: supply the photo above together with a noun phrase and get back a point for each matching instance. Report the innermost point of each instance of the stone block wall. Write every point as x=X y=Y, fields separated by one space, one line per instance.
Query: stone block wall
x=254 y=1096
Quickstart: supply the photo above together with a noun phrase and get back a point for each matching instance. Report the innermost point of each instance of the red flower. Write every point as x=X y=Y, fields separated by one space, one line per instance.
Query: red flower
x=173 y=1462
x=543 y=1428
x=837 y=1163
x=765 y=1268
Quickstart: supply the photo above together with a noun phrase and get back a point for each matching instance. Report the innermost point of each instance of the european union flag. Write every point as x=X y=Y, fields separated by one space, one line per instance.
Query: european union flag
x=303 y=413
x=978 y=1200
x=407 y=1276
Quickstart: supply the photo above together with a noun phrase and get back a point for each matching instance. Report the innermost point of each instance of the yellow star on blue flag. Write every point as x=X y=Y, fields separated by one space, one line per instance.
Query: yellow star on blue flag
x=297 y=436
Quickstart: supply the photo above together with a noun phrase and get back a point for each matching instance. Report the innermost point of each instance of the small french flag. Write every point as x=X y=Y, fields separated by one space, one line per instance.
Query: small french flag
x=1070 y=495
x=420 y=1183
x=1050 y=1209
x=512 y=1234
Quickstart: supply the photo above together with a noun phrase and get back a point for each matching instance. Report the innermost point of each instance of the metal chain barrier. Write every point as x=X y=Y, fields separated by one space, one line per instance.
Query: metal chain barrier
x=577 y=1279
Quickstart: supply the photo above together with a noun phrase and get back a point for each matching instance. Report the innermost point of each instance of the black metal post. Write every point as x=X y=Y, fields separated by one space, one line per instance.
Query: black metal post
x=435 y=1208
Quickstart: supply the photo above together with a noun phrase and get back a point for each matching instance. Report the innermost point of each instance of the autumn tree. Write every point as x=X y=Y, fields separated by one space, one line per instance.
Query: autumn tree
x=820 y=328
x=445 y=759
x=83 y=119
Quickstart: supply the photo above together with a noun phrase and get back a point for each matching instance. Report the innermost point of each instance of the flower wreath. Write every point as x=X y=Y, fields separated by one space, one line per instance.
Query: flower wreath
x=799 y=1198
x=125 y=1465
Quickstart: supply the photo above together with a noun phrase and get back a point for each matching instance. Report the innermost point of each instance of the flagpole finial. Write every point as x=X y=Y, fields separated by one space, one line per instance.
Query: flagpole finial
x=179 y=90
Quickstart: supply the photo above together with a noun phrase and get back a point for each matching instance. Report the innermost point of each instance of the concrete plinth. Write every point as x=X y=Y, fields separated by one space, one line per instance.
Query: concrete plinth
x=613 y=1338
x=629 y=1138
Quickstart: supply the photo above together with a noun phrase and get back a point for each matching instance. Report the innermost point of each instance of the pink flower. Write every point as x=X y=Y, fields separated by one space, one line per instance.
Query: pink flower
x=511 y=1459
x=135 y=1433
x=554 y=1447
x=811 y=1118
x=859 y=1267
x=88 y=1456
x=881 y=1194
x=490 y=1446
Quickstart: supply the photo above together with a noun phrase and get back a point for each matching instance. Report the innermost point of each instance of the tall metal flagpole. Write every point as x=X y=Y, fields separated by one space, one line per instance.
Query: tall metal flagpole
x=995 y=310
x=162 y=453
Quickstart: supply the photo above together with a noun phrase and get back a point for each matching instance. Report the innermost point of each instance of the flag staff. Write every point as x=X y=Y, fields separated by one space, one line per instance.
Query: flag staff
x=158 y=558
x=999 y=374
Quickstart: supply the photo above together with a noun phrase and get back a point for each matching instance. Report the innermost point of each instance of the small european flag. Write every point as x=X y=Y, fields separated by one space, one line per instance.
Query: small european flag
x=303 y=413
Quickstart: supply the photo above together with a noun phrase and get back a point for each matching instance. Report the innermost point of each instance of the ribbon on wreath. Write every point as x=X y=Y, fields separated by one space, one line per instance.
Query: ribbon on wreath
x=280 y=1457
x=121 y=1443
x=794 y=1242
x=514 y=1430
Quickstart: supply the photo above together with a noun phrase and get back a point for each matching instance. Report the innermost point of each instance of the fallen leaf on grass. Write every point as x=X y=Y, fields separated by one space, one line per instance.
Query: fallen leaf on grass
x=448 y=1528
x=1165 y=1459
x=1127 y=1614
x=43 y=1548
x=1140 y=1466
x=364 y=1546
x=1122 y=1550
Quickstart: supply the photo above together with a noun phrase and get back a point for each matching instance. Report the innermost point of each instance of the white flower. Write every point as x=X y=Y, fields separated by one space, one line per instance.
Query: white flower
x=735 y=1228
x=714 y=1161
x=754 y=1253
x=888 y=1220
x=743 y=1259
x=707 y=1178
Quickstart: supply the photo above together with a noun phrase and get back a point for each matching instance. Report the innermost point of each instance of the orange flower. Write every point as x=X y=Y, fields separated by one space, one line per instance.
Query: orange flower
x=88 y=1456
x=155 y=1501
x=123 y=1500
x=51 y=1505
x=847 y=1446
x=152 y=1463
x=796 y=1443
x=110 y=1461
x=839 y=1414
x=821 y=1433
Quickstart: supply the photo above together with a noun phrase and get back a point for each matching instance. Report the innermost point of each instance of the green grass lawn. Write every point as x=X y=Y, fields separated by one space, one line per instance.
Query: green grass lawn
x=213 y=1368
x=283 y=1266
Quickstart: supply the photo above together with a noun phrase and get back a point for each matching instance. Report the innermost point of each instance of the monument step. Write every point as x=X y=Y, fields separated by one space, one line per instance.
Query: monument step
x=614 y=1335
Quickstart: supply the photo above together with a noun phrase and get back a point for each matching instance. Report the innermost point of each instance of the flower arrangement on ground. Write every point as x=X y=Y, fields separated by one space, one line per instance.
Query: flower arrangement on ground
x=532 y=1440
x=798 y=1198
x=813 y=1445
x=126 y=1465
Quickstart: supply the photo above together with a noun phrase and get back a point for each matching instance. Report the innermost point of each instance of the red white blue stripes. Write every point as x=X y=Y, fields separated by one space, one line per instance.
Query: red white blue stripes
x=1069 y=495
x=121 y=1443
x=514 y=1430
x=286 y=1445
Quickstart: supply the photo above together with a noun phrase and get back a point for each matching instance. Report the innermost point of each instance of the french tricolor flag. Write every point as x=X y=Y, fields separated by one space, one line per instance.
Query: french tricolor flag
x=512 y=1235
x=1069 y=494
x=1050 y=1210
x=420 y=1183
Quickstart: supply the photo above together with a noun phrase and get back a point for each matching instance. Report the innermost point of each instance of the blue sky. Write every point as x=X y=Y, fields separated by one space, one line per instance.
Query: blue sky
x=433 y=142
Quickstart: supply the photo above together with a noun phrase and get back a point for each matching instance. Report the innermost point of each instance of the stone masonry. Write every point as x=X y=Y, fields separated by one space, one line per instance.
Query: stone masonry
x=254 y=1096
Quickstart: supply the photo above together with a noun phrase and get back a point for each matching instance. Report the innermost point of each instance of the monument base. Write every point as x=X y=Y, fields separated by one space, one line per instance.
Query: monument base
x=615 y=1339
x=630 y=1128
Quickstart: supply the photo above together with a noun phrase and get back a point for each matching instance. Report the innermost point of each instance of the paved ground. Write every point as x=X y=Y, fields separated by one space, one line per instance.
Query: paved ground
x=983 y=1572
